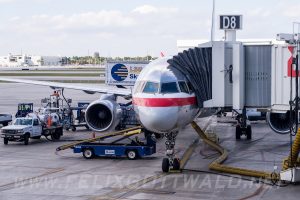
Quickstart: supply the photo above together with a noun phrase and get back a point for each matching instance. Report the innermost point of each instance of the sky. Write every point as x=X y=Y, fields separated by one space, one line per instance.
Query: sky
x=130 y=27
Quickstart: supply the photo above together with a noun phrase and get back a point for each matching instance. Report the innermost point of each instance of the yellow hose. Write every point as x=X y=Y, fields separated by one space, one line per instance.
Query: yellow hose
x=293 y=159
x=217 y=164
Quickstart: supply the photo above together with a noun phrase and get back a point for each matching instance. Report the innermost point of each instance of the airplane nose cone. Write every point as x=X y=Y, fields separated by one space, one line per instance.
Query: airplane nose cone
x=158 y=119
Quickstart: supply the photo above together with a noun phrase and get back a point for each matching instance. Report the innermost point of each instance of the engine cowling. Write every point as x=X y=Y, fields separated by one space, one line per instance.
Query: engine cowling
x=279 y=122
x=103 y=115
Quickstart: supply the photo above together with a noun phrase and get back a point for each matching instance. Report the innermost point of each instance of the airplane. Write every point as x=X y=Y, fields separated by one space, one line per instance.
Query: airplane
x=163 y=99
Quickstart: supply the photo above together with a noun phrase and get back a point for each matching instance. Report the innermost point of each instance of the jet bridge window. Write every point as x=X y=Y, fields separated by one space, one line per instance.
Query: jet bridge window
x=169 y=87
x=183 y=87
x=151 y=87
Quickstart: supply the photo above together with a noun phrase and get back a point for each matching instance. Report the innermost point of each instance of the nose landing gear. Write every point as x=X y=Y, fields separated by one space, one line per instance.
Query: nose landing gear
x=171 y=162
x=242 y=128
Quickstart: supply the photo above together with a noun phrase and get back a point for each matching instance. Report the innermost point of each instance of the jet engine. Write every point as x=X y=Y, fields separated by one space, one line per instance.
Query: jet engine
x=103 y=115
x=279 y=122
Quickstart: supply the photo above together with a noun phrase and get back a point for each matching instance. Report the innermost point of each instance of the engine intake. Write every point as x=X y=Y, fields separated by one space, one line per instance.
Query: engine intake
x=103 y=115
x=279 y=122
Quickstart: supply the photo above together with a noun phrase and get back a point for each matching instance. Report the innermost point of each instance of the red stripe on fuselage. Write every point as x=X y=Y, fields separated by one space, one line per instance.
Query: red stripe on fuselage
x=164 y=102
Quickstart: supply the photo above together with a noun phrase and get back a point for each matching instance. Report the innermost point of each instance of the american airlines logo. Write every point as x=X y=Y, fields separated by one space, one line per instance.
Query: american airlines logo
x=290 y=66
x=119 y=72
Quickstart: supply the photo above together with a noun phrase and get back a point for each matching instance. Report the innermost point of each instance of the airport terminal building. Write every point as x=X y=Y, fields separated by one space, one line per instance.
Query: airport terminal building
x=28 y=60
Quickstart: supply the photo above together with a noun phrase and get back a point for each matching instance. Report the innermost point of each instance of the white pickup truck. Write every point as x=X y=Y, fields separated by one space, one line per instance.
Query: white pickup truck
x=29 y=127
x=5 y=119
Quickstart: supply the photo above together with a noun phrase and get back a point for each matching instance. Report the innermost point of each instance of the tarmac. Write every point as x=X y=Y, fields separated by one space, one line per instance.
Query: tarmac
x=36 y=171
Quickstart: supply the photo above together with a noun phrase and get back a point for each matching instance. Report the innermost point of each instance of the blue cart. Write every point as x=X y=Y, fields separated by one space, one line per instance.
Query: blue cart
x=132 y=150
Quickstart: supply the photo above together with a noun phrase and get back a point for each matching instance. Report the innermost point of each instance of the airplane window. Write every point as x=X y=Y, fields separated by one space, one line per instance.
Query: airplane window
x=151 y=87
x=183 y=87
x=169 y=87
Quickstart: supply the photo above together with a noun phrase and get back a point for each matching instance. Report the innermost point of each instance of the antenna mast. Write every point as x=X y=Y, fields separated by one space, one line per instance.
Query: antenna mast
x=212 y=31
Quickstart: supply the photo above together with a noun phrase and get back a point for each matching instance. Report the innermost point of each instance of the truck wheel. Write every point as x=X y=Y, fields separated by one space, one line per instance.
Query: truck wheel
x=131 y=154
x=26 y=139
x=88 y=153
x=5 y=123
x=5 y=140
x=55 y=136
x=249 y=132
x=176 y=164
x=165 y=165
x=238 y=132
x=73 y=128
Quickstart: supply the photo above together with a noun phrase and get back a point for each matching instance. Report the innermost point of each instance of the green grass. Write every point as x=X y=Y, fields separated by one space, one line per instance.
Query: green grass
x=79 y=81
x=71 y=81
x=65 y=70
x=53 y=74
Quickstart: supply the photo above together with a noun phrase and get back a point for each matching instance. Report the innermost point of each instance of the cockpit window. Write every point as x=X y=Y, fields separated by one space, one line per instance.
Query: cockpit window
x=190 y=87
x=151 y=87
x=183 y=87
x=169 y=87
x=139 y=86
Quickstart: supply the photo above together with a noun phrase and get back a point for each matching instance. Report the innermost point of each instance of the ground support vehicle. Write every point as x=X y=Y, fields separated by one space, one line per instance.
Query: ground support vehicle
x=28 y=127
x=132 y=150
x=118 y=148
x=72 y=121
x=5 y=119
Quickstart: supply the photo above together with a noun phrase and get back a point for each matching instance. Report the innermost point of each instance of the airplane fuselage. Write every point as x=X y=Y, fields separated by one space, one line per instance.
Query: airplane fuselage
x=163 y=99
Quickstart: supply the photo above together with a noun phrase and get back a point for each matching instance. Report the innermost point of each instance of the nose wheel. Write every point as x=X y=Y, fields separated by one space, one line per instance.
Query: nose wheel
x=171 y=162
x=239 y=131
x=165 y=165
x=242 y=127
x=168 y=164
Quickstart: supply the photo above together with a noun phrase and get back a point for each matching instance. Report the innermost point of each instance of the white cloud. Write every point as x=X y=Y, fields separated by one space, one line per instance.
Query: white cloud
x=15 y=18
x=6 y=1
x=145 y=9
x=267 y=13
x=81 y=23
x=83 y=20
x=113 y=32
x=292 y=11
x=259 y=12
x=149 y=9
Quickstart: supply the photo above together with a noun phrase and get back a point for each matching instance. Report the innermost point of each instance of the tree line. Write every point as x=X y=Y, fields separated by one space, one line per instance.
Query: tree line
x=85 y=60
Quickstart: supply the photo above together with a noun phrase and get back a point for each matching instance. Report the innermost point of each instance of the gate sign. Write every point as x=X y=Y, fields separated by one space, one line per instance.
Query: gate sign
x=230 y=22
x=124 y=72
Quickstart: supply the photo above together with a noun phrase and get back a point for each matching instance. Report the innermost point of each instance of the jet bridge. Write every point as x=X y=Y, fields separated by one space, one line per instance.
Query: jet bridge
x=242 y=74
x=232 y=74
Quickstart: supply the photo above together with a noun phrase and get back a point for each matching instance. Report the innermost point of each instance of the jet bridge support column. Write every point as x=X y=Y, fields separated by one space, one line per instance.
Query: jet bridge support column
x=243 y=126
